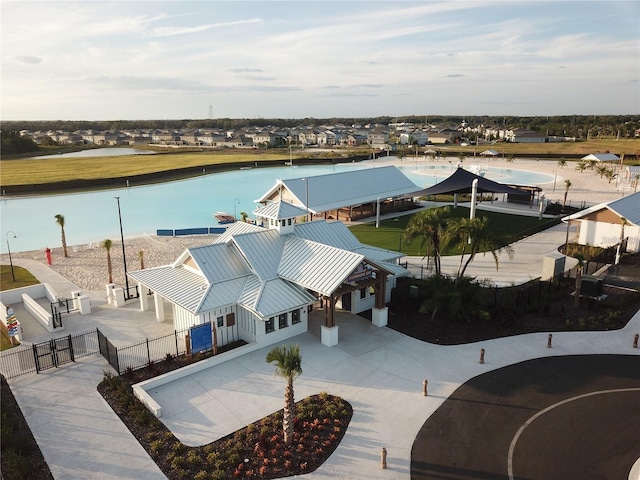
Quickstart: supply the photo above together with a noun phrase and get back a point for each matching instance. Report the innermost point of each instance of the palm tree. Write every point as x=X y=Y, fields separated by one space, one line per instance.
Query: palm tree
x=581 y=167
x=288 y=363
x=567 y=186
x=609 y=174
x=510 y=158
x=562 y=162
x=601 y=170
x=474 y=235
x=244 y=216
x=461 y=156
x=107 y=244
x=141 y=257
x=579 y=267
x=432 y=156
x=60 y=221
x=429 y=226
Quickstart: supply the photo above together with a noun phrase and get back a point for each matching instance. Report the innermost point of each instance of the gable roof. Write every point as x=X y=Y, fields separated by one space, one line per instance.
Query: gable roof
x=316 y=266
x=626 y=207
x=279 y=210
x=601 y=157
x=352 y=187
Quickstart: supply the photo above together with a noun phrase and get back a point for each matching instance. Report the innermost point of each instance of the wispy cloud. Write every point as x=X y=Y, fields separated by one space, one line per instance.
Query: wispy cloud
x=27 y=59
x=172 y=30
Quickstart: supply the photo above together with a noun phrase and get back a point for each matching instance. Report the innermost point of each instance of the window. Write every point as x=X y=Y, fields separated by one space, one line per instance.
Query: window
x=282 y=321
x=295 y=316
x=289 y=221
x=220 y=321
x=269 y=325
x=363 y=293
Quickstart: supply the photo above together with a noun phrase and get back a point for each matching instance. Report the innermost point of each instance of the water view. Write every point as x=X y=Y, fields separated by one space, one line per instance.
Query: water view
x=93 y=216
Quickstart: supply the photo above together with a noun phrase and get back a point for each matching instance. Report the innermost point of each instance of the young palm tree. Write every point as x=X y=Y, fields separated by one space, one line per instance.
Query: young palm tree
x=567 y=186
x=473 y=236
x=579 y=267
x=288 y=363
x=510 y=158
x=562 y=162
x=461 y=157
x=581 y=167
x=429 y=226
x=107 y=244
x=60 y=221
x=141 y=258
x=601 y=170
x=244 y=216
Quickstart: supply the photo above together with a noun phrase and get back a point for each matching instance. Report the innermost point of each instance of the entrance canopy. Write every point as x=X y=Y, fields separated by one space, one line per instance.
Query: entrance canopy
x=460 y=182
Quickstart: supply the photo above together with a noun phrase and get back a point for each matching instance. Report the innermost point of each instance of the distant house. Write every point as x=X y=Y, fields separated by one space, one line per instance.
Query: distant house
x=518 y=135
x=601 y=225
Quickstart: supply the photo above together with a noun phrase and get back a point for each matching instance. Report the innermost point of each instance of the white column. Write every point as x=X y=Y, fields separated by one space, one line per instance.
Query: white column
x=144 y=297
x=379 y=316
x=474 y=194
x=329 y=335
x=159 y=304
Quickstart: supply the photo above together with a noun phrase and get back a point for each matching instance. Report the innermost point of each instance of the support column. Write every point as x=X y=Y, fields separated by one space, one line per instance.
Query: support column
x=144 y=297
x=380 y=316
x=159 y=304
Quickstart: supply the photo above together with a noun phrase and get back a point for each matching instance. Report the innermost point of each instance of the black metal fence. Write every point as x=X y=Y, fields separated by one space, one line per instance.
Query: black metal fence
x=142 y=354
x=53 y=353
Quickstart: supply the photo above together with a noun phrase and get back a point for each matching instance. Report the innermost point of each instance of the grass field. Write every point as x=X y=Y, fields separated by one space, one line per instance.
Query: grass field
x=43 y=170
x=390 y=232
x=24 y=278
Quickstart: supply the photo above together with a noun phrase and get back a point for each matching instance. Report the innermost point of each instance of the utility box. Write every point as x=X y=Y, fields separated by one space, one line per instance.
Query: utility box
x=552 y=266
x=591 y=286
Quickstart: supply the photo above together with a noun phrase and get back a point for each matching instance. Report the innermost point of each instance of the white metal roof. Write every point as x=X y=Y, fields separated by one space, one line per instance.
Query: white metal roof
x=267 y=299
x=319 y=267
x=601 y=157
x=177 y=284
x=222 y=294
x=335 y=234
x=279 y=210
x=262 y=250
x=352 y=187
x=219 y=262
x=235 y=229
x=627 y=207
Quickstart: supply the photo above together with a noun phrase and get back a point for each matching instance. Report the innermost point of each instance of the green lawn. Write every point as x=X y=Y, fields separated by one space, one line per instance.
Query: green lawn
x=24 y=278
x=389 y=234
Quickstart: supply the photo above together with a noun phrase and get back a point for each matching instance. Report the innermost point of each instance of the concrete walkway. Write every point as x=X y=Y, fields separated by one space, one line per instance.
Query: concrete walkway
x=379 y=371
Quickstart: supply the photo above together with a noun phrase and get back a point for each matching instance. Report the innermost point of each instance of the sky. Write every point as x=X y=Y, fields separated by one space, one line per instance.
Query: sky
x=117 y=60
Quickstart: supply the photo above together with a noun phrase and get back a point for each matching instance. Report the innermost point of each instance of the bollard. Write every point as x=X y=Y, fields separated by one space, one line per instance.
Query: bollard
x=549 y=340
x=635 y=340
x=383 y=458
x=424 y=387
x=482 y=355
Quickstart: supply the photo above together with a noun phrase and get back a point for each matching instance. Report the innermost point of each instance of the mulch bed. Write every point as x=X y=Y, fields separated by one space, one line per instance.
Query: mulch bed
x=558 y=315
x=256 y=451
x=21 y=455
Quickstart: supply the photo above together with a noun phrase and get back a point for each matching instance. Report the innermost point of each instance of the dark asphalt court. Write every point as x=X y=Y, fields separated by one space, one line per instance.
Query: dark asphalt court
x=595 y=437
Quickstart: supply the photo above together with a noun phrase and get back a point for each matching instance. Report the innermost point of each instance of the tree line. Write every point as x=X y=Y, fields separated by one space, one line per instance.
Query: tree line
x=579 y=126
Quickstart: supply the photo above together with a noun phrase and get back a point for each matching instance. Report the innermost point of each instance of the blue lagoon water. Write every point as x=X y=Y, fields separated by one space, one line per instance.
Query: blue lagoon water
x=93 y=216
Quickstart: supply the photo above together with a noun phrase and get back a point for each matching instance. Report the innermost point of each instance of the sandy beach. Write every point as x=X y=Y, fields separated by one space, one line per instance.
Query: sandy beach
x=86 y=266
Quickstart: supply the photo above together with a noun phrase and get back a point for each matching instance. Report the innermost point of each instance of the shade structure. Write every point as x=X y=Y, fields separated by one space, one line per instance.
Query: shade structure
x=460 y=182
x=601 y=157
x=489 y=153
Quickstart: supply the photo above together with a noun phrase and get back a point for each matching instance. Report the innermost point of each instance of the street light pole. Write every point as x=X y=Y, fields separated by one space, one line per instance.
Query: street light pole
x=124 y=257
x=13 y=275
x=306 y=182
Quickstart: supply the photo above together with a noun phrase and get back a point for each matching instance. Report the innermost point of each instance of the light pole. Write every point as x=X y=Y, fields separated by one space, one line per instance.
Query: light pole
x=13 y=275
x=306 y=182
x=124 y=257
x=236 y=201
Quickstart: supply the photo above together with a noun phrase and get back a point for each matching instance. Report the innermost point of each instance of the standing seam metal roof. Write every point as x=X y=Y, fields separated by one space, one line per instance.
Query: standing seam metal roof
x=319 y=267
